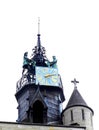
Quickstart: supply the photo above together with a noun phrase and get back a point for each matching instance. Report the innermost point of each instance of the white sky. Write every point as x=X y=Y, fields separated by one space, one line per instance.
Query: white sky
x=69 y=30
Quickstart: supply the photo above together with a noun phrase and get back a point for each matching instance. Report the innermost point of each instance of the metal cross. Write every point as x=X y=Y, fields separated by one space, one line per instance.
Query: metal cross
x=74 y=82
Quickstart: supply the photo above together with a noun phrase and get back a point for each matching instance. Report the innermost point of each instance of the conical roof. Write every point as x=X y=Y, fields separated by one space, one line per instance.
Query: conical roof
x=76 y=100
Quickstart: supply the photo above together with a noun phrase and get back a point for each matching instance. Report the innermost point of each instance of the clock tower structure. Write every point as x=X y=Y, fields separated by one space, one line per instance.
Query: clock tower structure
x=39 y=92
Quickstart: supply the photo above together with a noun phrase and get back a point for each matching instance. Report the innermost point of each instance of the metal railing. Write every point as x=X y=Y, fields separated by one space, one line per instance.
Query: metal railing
x=31 y=79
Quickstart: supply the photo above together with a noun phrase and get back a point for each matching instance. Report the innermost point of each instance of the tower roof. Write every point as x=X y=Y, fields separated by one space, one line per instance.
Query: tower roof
x=76 y=99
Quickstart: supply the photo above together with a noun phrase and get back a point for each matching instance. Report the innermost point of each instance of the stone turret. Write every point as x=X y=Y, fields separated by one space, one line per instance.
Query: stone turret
x=77 y=112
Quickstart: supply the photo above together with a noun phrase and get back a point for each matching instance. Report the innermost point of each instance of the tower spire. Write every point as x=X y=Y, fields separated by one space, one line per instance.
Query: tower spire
x=38 y=25
x=38 y=41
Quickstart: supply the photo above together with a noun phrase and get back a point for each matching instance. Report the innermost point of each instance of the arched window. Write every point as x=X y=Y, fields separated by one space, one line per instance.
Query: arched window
x=38 y=112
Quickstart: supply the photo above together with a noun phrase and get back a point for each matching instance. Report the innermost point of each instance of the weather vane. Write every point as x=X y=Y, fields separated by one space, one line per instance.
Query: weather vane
x=74 y=82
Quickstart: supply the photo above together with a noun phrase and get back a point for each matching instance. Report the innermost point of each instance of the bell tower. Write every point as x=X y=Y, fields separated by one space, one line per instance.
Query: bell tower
x=39 y=92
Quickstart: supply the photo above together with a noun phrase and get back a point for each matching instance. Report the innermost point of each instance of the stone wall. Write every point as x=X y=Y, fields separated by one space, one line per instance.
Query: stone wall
x=17 y=126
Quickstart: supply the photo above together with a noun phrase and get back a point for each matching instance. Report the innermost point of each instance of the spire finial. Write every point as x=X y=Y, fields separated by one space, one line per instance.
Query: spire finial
x=38 y=25
x=39 y=42
x=75 y=82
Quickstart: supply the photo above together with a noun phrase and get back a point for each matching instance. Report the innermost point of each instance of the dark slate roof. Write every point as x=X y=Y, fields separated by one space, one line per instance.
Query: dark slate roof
x=76 y=100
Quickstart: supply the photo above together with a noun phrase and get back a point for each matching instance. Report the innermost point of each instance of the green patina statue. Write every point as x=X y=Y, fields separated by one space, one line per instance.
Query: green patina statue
x=52 y=64
x=26 y=60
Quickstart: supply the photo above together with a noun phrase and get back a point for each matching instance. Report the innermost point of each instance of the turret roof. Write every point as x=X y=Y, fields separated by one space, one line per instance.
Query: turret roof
x=76 y=100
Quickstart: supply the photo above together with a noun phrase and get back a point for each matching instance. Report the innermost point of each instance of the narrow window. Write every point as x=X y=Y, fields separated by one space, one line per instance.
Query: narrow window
x=83 y=114
x=91 y=119
x=72 y=115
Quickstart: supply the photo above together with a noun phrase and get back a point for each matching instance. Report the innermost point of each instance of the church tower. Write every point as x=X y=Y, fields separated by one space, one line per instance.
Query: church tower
x=39 y=91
